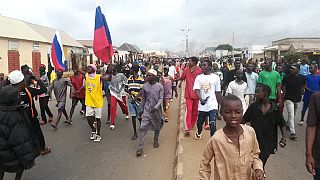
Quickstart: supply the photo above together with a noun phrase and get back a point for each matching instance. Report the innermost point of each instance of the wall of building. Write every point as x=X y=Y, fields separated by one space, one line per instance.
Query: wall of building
x=4 y=56
x=299 y=43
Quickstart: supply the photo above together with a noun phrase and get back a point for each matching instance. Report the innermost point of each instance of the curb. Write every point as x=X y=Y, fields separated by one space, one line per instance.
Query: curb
x=178 y=167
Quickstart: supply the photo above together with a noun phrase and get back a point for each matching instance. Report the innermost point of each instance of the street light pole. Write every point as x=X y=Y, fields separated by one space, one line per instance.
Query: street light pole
x=233 y=45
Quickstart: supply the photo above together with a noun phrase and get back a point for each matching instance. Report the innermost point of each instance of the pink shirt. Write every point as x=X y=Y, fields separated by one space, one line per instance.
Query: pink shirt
x=190 y=78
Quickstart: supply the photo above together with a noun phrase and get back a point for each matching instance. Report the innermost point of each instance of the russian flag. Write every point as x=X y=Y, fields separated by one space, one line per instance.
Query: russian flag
x=102 y=43
x=57 y=56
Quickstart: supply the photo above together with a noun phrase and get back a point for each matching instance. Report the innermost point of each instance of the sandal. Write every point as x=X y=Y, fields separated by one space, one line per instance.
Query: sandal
x=45 y=151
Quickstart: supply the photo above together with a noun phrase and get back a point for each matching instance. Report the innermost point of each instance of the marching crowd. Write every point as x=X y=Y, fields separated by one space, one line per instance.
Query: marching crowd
x=239 y=92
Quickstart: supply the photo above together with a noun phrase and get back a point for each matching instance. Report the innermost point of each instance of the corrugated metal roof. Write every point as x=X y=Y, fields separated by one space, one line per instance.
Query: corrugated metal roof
x=48 y=34
x=16 y=29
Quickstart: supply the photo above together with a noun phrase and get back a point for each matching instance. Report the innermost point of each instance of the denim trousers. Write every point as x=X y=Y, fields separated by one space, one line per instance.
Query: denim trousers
x=212 y=120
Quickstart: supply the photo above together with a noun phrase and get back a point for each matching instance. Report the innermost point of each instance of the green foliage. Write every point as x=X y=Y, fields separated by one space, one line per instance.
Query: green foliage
x=225 y=47
x=293 y=57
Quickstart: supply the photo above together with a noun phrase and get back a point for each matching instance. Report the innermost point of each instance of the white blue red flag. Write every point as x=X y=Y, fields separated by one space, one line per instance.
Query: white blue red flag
x=102 y=43
x=57 y=56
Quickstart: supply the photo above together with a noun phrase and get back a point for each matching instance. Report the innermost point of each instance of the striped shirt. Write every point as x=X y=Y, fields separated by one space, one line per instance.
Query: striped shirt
x=135 y=85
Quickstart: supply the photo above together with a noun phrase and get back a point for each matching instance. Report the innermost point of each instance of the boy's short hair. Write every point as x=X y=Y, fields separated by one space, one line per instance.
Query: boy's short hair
x=265 y=88
x=194 y=59
x=229 y=97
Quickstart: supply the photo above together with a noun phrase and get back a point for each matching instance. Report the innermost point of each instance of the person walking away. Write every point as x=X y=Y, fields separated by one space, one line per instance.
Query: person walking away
x=135 y=83
x=44 y=98
x=189 y=75
x=172 y=73
x=208 y=90
x=312 y=86
x=77 y=80
x=293 y=88
x=222 y=149
x=26 y=95
x=304 y=68
x=59 y=87
x=313 y=137
x=166 y=80
x=238 y=88
x=272 y=79
x=150 y=110
x=252 y=79
x=117 y=90
x=265 y=117
x=18 y=146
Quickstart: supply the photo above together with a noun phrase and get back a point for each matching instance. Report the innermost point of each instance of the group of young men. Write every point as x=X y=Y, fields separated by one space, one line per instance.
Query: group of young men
x=145 y=91
x=262 y=93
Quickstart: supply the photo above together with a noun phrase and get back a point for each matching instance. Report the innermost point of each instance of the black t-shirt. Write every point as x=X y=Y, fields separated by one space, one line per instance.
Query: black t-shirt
x=265 y=125
x=293 y=85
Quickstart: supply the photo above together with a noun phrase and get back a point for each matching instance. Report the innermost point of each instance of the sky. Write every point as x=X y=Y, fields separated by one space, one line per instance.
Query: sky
x=157 y=24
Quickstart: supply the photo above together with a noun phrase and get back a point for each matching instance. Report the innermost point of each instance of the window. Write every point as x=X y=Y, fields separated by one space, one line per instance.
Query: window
x=13 y=45
x=36 y=46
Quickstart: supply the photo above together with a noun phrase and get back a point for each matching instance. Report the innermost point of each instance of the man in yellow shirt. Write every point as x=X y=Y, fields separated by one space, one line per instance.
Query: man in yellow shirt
x=94 y=101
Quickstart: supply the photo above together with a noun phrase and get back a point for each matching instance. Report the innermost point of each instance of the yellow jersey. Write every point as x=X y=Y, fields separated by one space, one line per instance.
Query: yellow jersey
x=94 y=97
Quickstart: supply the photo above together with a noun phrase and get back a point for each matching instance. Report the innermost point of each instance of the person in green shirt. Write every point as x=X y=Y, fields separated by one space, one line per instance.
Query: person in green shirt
x=272 y=79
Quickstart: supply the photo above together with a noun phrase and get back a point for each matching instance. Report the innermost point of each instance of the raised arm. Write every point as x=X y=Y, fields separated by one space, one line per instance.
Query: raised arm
x=207 y=158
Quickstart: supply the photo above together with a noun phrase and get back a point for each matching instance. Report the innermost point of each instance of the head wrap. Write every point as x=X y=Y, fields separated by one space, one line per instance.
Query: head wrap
x=95 y=70
x=15 y=77
x=152 y=71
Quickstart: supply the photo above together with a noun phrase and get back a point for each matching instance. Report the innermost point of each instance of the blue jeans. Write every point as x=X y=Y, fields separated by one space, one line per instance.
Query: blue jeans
x=212 y=120
x=317 y=176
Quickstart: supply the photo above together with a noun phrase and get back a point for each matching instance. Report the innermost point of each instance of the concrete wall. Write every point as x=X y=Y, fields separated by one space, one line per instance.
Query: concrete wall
x=4 y=56
x=299 y=43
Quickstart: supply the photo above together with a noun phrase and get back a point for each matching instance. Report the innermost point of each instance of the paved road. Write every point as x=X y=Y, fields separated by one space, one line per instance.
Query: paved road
x=74 y=156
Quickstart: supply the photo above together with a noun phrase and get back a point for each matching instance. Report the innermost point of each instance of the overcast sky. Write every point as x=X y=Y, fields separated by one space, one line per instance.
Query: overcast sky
x=156 y=24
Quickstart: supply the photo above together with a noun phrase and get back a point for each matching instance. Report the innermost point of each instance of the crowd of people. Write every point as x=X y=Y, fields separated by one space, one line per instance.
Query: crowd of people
x=241 y=92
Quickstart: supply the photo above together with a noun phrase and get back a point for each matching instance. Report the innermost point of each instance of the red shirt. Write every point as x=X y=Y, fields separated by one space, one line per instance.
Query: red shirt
x=77 y=83
x=190 y=77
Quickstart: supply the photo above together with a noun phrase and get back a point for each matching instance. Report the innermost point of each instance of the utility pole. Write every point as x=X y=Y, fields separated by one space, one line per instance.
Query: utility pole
x=186 y=31
x=233 y=45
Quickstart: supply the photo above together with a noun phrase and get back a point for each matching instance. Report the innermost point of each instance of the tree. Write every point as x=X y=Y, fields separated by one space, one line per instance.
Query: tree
x=293 y=57
x=225 y=47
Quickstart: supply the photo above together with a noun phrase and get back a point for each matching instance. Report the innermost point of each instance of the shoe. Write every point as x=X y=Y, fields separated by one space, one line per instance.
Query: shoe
x=97 y=138
x=112 y=126
x=197 y=136
x=127 y=117
x=43 y=122
x=93 y=135
x=293 y=136
x=139 y=152
x=45 y=151
x=187 y=133
x=82 y=112
x=171 y=100
x=301 y=123
x=134 y=137
x=108 y=122
x=68 y=122
x=207 y=127
x=156 y=144
x=50 y=119
x=166 y=120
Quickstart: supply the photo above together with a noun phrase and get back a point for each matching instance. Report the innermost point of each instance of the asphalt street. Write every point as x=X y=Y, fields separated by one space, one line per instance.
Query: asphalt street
x=75 y=156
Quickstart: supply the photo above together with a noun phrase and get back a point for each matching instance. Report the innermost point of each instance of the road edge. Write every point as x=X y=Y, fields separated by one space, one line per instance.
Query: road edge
x=178 y=167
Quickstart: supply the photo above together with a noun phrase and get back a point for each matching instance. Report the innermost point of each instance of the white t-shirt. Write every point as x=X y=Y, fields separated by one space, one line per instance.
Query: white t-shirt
x=238 y=90
x=208 y=85
x=172 y=71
